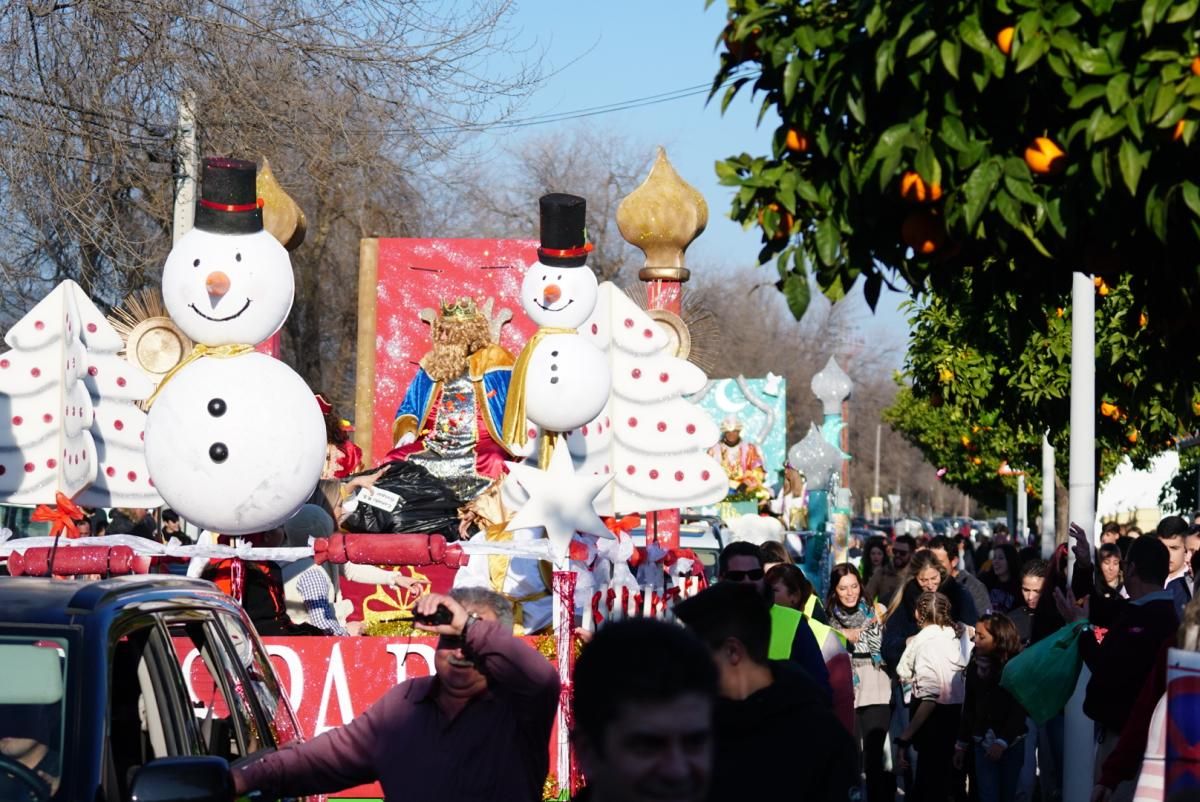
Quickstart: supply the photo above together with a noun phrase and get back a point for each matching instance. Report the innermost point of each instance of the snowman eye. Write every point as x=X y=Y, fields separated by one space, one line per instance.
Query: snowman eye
x=218 y=452
x=216 y=407
x=238 y=258
x=196 y=263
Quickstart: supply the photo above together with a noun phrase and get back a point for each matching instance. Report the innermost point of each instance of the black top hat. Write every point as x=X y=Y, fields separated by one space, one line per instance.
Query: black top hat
x=229 y=197
x=564 y=230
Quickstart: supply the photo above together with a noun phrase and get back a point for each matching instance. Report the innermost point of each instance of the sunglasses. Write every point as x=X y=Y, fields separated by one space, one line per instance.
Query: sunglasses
x=753 y=575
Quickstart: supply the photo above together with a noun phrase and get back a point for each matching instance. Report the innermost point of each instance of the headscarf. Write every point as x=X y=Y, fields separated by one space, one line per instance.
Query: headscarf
x=310 y=521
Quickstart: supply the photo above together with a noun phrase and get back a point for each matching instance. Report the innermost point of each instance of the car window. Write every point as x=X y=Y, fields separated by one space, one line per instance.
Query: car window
x=276 y=711
x=223 y=721
x=32 y=713
x=143 y=702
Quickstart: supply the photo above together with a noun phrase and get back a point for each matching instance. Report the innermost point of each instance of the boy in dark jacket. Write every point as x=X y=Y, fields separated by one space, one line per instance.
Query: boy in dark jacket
x=770 y=713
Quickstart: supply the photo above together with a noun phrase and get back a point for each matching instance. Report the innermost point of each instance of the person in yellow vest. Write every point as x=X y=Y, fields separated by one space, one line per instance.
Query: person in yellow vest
x=742 y=562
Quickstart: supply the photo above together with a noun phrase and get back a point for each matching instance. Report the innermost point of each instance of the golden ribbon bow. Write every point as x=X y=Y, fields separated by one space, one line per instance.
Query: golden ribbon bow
x=513 y=430
x=61 y=516
x=200 y=350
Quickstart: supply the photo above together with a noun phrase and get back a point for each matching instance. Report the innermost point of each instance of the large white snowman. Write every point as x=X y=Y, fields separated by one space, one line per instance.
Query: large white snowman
x=235 y=442
x=561 y=381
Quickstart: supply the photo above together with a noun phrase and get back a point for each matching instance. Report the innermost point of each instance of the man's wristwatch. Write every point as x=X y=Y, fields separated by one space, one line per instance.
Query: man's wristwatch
x=472 y=617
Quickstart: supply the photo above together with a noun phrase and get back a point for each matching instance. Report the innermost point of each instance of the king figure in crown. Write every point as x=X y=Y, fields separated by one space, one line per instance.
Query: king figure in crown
x=452 y=414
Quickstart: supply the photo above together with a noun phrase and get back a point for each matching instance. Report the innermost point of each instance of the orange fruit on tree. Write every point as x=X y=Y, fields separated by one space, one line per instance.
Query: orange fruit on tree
x=1132 y=436
x=1177 y=134
x=913 y=188
x=1045 y=157
x=923 y=232
x=786 y=220
x=1004 y=39
x=1142 y=320
x=976 y=460
x=1196 y=66
x=797 y=141
x=1107 y=409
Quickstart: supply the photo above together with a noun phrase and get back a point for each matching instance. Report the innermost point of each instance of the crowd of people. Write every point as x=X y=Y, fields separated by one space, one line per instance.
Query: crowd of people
x=892 y=682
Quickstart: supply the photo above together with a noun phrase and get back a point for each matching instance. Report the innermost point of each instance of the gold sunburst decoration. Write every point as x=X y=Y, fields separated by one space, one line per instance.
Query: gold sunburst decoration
x=153 y=342
x=695 y=333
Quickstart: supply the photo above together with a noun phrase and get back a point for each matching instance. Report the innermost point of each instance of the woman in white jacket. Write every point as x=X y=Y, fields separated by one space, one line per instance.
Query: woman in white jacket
x=931 y=671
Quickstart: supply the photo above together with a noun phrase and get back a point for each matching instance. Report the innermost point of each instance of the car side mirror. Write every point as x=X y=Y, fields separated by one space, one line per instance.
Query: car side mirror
x=183 y=779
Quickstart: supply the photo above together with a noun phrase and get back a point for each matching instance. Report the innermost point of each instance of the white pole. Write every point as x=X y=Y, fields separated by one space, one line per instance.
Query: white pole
x=1048 y=504
x=1022 y=511
x=1079 y=756
x=189 y=168
x=878 y=435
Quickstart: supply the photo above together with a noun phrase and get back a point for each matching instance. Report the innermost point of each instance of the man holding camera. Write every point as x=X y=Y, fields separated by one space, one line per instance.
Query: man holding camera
x=478 y=730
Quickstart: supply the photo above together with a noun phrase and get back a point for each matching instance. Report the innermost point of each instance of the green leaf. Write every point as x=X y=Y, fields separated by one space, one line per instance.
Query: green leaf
x=1022 y=190
x=1117 y=91
x=1183 y=12
x=1148 y=9
x=927 y=164
x=919 y=43
x=875 y=19
x=1031 y=51
x=972 y=34
x=1028 y=232
x=953 y=134
x=827 y=241
x=1009 y=208
x=1108 y=127
x=951 y=52
x=978 y=190
x=1086 y=95
x=1067 y=16
x=1131 y=164
x=806 y=38
x=1191 y=196
x=1094 y=61
x=796 y=291
x=884 y=63
x=791 y=76
x=1164 y=99
x=727 y=174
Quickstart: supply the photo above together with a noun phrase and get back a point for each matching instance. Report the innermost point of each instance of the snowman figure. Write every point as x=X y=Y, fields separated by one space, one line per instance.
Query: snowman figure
x=235 y=440
x=561 y=381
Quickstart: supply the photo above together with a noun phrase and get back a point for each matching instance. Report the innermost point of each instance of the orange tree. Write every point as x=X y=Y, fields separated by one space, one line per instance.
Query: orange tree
x=978 y=153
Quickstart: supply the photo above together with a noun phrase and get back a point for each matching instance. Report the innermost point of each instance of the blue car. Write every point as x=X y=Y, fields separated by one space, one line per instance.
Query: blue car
x=143 y=688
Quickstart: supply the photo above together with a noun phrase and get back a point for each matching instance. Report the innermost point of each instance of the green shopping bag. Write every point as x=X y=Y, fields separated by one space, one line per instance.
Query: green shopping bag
x=1042 y=678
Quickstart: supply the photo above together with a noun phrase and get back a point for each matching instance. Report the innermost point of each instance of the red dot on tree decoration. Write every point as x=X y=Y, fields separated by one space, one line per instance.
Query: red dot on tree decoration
x=630 y=470
x=39 y=325
x=704 y=475
x=678 y=476
x=151 y=481
x=637 y=373
x=647 y=333
x=4 y=363
x=120 y=381
x=629 y=323
x=606 y=469
x=28 y=467
x=663 y=377
x=662 y=426
x=653 y=474
x=691 y=428
x=595 y=329
x=47 y=418
x=532 y=433
x=35 y=372
x=91 y=327
x=110 y=471
x=118 y=425
x=632 y=423
x=142 y=436
x=132 y=476
x=51 y=463
x=92 y=370
x=583 y=431
x=18 y=420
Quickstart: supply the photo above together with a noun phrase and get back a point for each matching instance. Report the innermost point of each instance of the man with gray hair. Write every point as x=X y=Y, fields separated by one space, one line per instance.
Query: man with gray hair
x=477 y=730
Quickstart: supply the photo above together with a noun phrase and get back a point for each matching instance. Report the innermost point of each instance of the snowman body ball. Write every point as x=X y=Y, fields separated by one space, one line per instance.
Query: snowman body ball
x=235 y=440
x=561 y=381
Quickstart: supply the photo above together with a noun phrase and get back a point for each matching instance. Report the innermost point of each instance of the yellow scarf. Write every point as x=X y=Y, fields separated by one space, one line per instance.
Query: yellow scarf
x=219 y=351
x=514 y=410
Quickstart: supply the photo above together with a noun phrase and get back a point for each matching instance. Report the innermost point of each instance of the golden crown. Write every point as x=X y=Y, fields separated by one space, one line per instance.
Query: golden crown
x=462 y=309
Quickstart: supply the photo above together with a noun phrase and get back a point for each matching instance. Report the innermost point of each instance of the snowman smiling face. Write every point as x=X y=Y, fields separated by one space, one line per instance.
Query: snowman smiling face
x=223 y=289
x=558 y=296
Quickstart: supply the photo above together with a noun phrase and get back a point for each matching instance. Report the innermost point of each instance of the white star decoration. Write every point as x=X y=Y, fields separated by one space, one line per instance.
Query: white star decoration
x=560 y=501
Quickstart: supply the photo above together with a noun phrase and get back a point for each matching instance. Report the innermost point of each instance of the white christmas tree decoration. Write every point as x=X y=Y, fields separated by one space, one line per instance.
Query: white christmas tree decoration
x=560 y=501
x=115 y=387
x=649 y=437
x=46 y=446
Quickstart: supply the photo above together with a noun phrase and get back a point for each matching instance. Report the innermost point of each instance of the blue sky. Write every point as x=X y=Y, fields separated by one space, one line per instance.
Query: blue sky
x=611 y=51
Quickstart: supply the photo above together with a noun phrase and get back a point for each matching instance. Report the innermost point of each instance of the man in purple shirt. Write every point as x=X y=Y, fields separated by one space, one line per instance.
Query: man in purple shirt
x=478 y=730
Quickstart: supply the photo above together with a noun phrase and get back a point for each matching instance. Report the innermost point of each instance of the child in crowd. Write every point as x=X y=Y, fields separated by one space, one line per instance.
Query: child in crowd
x=993 y=723
x=931 y=669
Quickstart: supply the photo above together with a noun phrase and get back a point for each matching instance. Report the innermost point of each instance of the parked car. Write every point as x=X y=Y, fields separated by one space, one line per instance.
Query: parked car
x=140 y=687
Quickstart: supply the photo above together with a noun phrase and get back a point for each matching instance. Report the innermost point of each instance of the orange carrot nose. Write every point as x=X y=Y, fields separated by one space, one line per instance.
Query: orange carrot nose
x=551 y=293
x=217 y=283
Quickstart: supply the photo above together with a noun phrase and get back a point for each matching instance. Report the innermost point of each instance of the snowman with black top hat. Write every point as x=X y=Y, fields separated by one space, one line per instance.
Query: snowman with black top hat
x=560 y=381
x=235 y=440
